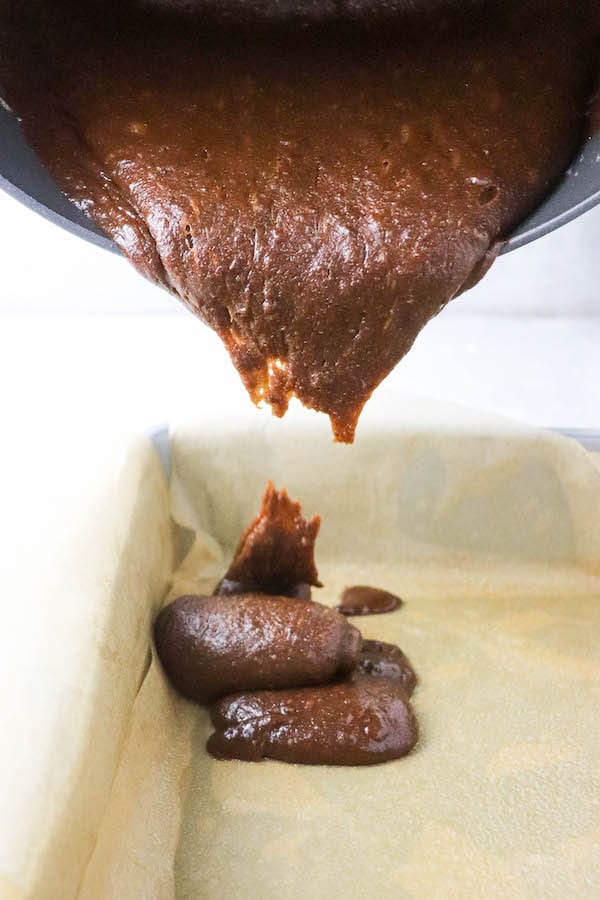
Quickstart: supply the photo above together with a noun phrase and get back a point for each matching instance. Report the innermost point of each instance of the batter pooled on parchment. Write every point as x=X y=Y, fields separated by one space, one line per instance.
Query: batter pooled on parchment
x=285 y=677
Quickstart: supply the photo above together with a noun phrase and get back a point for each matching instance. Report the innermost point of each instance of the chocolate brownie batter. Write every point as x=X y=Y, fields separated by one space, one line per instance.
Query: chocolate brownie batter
x=361 y=600
x=318 y=183
x=363 y=720
x=210 y=646
x=297 y=681
x=381 y=660
x=356 y=723
x=276 y=553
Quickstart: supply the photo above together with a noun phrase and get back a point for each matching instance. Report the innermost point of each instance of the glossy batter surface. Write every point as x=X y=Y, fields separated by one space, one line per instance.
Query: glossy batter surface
x=296 y=681
x=381 y=660
x=210 y=646
x=315 y=191
x=361 y=600
x=363 y=722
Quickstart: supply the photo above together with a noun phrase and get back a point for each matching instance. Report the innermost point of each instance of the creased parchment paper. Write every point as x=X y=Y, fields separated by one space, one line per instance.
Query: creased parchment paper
x=491 y=533
x=86 y=555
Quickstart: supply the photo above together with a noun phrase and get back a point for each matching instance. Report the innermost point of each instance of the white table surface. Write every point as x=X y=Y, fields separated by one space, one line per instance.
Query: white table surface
x=138 y=371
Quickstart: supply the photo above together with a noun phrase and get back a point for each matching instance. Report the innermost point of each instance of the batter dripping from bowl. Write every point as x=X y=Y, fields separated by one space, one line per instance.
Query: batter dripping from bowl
x=315 y=184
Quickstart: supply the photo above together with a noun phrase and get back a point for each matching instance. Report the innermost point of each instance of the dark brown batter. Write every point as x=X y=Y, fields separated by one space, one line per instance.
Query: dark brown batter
x=210 y=646
x=381 y=660
x=315 y=191
x=262 y=653
x=348 y=724
x=275 y=554
x=363 y=720
x=360 y=600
